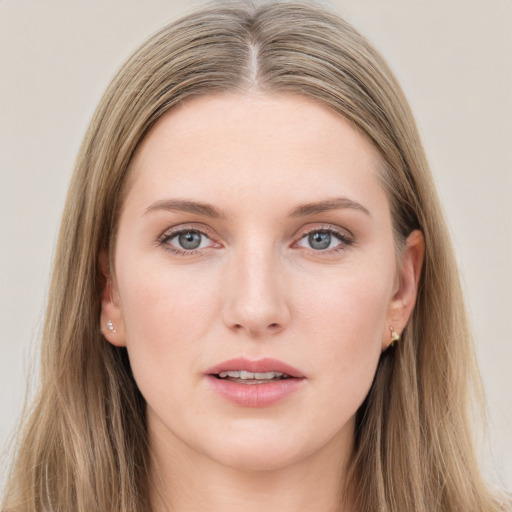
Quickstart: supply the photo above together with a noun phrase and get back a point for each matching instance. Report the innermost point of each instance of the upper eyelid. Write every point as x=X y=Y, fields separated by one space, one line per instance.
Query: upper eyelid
x=175 y=230
x=343 y=232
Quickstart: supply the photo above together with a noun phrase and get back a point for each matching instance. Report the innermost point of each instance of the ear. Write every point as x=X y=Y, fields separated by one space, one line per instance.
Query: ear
x=404 y=298
x=111 y=318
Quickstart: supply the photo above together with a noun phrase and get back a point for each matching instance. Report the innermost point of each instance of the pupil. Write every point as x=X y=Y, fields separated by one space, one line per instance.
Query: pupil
x=319 y=240
x=190 y=240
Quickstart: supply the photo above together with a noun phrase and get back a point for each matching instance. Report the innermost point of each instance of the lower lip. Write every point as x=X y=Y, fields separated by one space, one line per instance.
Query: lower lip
x=255 y=395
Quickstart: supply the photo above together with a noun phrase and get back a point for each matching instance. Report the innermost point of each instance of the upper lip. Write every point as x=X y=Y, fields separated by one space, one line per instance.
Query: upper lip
x=260 y=366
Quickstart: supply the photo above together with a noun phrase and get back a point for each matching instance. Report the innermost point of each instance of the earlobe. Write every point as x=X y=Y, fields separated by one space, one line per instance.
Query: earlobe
x=404 y=299
x=111 y=319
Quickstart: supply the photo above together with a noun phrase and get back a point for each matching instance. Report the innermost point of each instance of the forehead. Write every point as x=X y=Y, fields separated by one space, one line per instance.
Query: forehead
x=277 y=146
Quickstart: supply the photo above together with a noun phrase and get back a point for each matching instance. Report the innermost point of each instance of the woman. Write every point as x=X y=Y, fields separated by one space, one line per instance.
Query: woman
x=254 y=302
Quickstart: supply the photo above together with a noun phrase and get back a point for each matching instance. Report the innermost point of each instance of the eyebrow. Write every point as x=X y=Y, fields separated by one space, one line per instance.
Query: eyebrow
x=208 y=210
x=324 y=206
x=182 y=205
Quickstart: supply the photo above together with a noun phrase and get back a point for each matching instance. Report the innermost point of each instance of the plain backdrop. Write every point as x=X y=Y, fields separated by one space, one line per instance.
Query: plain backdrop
x=453 y=58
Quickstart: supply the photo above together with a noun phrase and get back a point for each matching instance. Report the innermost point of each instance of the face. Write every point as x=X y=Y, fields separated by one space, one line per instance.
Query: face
x=255 y=279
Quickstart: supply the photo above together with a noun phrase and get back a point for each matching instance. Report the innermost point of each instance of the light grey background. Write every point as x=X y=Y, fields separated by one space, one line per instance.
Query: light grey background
x=453 y=58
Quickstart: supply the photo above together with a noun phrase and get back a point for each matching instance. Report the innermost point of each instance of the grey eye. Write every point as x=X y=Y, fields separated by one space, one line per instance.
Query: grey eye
x=189 y=240
x=319 y=240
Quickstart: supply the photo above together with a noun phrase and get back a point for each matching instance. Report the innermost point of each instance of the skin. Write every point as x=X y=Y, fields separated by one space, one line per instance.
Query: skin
x=255 y=288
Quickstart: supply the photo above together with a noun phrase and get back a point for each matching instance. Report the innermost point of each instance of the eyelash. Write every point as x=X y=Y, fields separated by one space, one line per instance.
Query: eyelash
x=345 y=239
x=164 y=239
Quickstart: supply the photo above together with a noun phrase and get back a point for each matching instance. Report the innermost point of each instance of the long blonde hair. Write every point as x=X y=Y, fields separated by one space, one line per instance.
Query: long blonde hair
x=84 y=446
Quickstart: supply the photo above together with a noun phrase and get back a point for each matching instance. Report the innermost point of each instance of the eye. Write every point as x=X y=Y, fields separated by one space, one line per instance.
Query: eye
x=324 y=239
x=186 y=240
x=320 y=240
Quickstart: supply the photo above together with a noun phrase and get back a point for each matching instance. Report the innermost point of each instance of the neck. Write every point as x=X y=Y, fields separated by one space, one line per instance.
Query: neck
x=186 y=481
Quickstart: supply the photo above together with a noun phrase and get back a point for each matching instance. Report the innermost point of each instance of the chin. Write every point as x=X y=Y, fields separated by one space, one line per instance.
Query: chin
x=256 y=459
x=260 y=451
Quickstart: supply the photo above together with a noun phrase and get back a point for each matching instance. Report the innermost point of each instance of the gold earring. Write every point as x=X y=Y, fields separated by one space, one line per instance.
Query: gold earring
x=394 y=336
x=110 y=326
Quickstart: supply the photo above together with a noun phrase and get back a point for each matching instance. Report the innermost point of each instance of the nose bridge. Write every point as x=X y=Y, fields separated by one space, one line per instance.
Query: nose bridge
x=255 y=299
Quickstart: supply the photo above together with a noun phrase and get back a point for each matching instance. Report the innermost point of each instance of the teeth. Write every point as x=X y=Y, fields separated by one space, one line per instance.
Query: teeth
x=235 y=375
x=242 y=374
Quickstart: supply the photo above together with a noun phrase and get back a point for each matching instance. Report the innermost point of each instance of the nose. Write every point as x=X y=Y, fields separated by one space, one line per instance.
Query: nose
x=255 y=302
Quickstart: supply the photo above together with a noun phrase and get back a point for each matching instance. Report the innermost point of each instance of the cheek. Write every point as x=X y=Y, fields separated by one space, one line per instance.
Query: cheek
x=167 y=314
x=344 y=324
x=350 y=306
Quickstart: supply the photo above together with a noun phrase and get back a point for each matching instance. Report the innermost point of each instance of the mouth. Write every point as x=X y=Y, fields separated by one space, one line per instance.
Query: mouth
x=245 y=377
x=246 y=371
x=254 y=383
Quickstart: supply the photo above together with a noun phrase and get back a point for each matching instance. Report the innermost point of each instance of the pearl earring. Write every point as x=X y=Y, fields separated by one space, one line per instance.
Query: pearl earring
x=110 y=326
